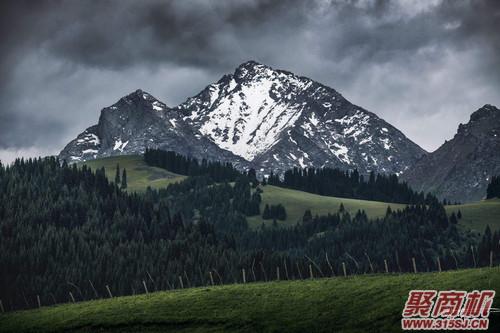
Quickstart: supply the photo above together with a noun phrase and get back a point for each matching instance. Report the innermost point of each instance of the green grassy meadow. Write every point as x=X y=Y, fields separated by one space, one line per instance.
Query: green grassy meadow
x=474 y=215
x=297 y=202
x=477 y=215
x=354 y=304
x=139 y=174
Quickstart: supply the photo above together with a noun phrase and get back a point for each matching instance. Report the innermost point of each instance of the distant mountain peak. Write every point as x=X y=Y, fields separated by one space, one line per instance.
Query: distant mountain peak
x=251 y=65
x=260 y=117
x=486 y=111
x=278 y=120
x=461 y=168
x=141 y=97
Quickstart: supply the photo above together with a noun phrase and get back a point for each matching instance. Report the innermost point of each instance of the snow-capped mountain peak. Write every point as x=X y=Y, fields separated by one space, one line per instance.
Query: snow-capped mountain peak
x=247 y=111
x=256 y=116
x=259 y=113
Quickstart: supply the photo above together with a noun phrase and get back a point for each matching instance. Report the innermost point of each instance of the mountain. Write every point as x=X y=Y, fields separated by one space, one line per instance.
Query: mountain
x=257 y=117
x=135 y=122
x=278 y=120
x=461 y=168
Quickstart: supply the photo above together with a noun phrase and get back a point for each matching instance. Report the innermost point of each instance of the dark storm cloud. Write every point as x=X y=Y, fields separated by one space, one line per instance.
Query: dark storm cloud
x=422 y=65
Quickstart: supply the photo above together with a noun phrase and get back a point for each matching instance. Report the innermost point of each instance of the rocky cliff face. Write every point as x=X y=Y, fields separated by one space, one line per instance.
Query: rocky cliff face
x=461 y=168
x=256 y=117
x=138 y=121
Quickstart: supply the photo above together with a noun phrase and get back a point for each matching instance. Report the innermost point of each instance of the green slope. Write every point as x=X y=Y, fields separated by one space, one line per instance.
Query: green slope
x=477 y=215
x=139 y=174
x=355 y=304
x=297 y=202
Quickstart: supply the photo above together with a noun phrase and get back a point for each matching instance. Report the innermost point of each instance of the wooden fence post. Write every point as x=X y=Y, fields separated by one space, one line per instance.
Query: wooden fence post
x=344 y=269
x=316 y=265
x=397 y=261
x=263 y=271
x=414 y=265
x=71 y=296
x=386 y=266
x=298 y=270
x=311 y=271
x=277 y=273
x=187 y=280
x=244 y=276
x=1 y=306
x=329 y=264
x=169 y=286
x=454 y=258
x=152 y=281
x=491 y=258
x=145 y=287
x=473 y=257
x=95 y=291
x=109 y=292
x=220 y=277
x=38 y=300
x=211 y=278
x=439 y=264
x=253 y=271
x=370 y=262
x=181 y=282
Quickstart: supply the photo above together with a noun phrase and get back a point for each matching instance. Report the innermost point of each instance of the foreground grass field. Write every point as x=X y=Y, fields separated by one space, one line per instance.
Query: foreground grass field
x=139 y=174
x=369 y=303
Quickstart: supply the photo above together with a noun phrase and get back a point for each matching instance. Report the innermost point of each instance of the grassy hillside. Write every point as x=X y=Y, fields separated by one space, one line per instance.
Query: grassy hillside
x=297 y=202
x=477 y=215
x=353 y=304
x=139 y=174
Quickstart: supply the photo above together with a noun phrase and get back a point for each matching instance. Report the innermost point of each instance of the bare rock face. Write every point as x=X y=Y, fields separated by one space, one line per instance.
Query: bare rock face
x=461 y=168
x=138 y=121
x=256 y=117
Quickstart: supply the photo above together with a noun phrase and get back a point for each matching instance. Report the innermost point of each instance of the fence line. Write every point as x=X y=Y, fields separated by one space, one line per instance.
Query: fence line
x=312 y=266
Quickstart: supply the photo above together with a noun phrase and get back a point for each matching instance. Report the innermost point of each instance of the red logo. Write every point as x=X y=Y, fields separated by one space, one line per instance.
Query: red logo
x=457 y=310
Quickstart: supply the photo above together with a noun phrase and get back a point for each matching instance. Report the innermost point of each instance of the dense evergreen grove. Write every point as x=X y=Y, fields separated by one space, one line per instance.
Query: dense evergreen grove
x=493 y=190
x=67 y=229
x=350 y=184
x=275 y=212
x=183 y=165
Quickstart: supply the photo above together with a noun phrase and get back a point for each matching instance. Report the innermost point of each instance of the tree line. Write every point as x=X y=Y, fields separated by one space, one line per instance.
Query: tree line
x=190 y=166
x=493 y=189
x=350 y=184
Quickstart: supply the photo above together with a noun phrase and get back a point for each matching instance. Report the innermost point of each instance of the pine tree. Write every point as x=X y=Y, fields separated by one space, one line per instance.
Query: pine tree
x=341 y=208
x=493 y=190
x=124 y=179
x=117 y=175
x=266 y=214
x=307 y=218
x=280 y=212
x=453 y=218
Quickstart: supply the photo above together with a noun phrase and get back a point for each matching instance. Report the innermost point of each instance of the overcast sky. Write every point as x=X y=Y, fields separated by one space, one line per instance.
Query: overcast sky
x=423 y=66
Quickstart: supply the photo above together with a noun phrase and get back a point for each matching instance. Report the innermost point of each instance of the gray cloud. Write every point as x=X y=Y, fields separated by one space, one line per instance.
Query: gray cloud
x=422 y=65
